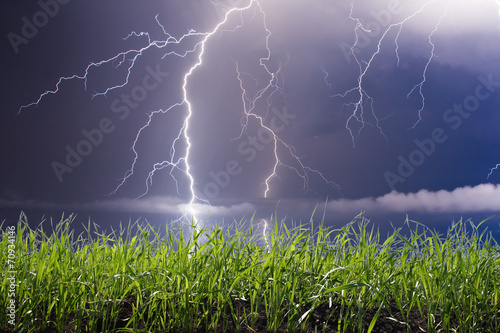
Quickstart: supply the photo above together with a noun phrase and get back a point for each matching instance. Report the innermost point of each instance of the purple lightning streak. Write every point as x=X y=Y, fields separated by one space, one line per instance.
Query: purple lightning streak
x=326 y=78
x=272 y=87
x=496 y=167
x=364 y=99
x=424 y=74
x=176 y=161
x=249 y=104
x=136 y=53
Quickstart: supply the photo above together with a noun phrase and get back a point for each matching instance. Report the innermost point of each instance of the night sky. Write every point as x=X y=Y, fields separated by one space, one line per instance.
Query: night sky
x=232 y=108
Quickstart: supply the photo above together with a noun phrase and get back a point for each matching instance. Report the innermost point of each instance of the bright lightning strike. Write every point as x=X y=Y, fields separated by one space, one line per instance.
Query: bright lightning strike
x=180 y=160
x=175 y=162
x=364 y=102
x=249 y=109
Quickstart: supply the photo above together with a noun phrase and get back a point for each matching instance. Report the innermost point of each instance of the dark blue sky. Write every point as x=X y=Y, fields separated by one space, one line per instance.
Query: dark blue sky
x=388 y=107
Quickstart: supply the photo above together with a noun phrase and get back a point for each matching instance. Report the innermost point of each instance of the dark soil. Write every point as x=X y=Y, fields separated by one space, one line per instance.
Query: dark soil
x=324 y=318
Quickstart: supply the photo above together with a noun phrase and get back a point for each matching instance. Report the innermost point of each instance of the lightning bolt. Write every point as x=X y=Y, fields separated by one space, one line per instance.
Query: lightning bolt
x=133 y=53
x=364 y=102
x=426 y=67
x=329 y=85
x=363 y=97
x=496 y=167
x=174 y=163
x=250 y=107
x=179 y=160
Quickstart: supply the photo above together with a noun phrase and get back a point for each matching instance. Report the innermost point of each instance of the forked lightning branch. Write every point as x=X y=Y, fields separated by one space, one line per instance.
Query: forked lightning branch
x=121 y=107
x=179 y=159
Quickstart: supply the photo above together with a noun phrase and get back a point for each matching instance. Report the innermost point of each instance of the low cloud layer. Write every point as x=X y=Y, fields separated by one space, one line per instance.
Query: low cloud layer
x=480 y=198
x=152 y=205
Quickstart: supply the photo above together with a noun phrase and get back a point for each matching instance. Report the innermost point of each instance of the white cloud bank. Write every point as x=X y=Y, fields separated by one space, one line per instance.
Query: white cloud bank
x=480 y=198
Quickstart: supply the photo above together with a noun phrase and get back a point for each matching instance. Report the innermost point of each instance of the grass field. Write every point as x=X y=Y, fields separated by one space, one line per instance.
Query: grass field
x=291 y=280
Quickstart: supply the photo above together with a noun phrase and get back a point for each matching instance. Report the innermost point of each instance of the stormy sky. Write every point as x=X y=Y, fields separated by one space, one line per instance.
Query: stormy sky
x=234 y=107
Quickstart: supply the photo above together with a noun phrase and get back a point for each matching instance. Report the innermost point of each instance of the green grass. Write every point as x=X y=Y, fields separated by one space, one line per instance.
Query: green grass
x=321 y=280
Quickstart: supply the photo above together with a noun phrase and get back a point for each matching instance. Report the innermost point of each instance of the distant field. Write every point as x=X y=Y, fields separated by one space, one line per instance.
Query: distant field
x=238 y=280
